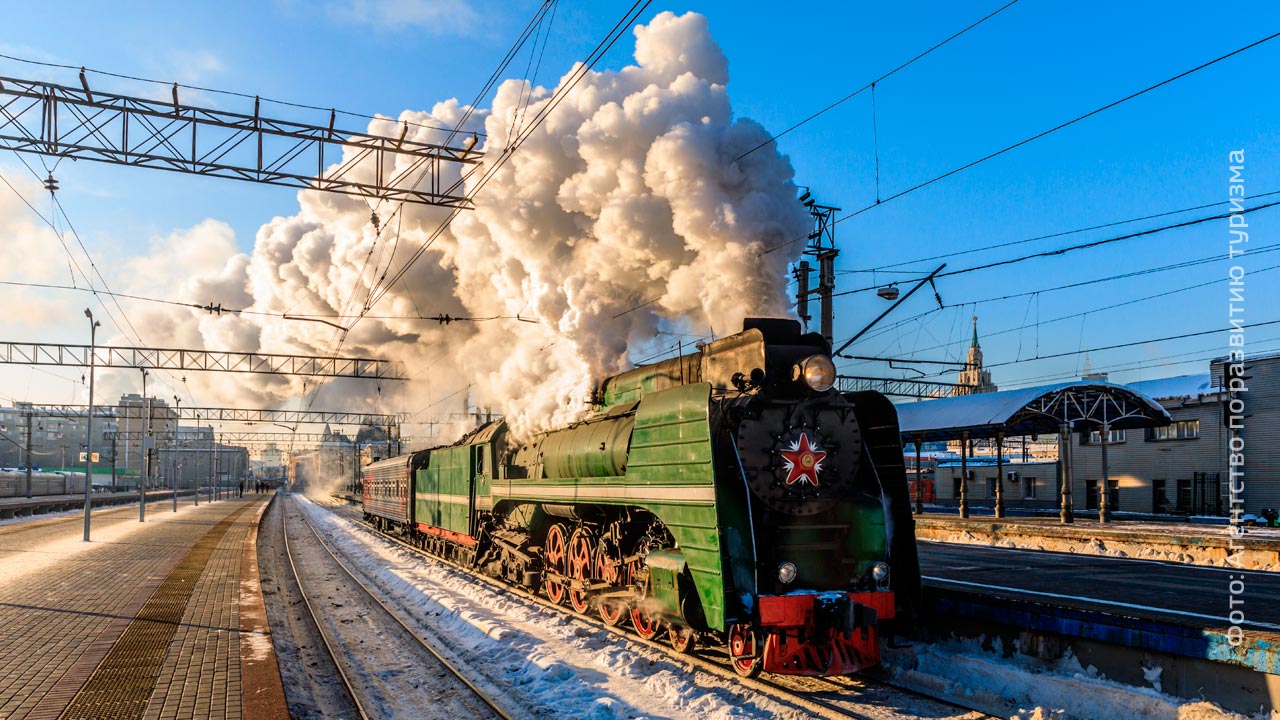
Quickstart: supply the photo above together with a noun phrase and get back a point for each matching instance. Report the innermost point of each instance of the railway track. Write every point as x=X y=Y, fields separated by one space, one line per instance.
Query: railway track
x=797 y=691
x=374 y=689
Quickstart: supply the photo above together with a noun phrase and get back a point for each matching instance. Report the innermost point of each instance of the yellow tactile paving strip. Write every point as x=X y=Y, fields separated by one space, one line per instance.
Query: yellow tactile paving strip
x=62 y=623
x=122 y=685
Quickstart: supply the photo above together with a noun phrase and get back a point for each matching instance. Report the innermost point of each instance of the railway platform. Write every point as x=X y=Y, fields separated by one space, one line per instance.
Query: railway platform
x=1209 y=631
x=162 y=619
x=1170 y=541
x=21 y=506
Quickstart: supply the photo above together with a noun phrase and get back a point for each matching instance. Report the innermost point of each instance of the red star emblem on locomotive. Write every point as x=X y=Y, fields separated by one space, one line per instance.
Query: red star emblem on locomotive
x=803 y=460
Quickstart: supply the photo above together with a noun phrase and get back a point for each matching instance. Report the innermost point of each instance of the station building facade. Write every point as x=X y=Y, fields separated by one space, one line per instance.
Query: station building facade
x=1178 y=469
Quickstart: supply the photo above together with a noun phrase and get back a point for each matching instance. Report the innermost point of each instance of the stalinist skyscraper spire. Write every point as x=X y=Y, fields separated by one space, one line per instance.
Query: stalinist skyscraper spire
x=973 y=374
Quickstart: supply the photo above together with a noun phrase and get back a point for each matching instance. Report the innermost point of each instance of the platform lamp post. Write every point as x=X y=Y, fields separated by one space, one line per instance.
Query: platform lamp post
x=88 y=440
x=195 y=463
x=964 y=474
x=177 y=423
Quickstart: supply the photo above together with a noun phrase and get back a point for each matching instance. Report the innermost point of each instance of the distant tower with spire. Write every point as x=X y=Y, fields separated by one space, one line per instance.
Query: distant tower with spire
x=973 y=374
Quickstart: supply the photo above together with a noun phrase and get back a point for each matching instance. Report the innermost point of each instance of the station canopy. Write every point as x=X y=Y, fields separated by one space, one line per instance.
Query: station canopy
x=1030 y=411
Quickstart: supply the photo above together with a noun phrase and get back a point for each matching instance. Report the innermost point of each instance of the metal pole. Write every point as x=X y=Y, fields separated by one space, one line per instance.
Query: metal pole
x=88 y=440
x=177 y=420
x=1104 y=505
x=964 y=474
x=1064 y=459
x=1000 y=474
x=146 y=454
x=30 y=421
x=216 y=494
x=195 y=463
x=919 y=481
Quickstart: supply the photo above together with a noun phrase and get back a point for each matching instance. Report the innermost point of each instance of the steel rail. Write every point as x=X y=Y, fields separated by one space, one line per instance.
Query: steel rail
x=819 y=708
x=324 y=634
x=493 y=704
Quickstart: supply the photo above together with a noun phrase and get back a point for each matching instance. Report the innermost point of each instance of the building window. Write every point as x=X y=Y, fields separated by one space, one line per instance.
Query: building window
x=1029 y=488
x=1113 y=437
x=1184 y=496
x=955 y=487
x=1159 y=501
x=991 y=487
x=1180 y=430
x=1090 y=494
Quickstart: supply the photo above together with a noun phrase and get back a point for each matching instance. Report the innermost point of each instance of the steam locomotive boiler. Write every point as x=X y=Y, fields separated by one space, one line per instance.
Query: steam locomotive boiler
x=727 y=495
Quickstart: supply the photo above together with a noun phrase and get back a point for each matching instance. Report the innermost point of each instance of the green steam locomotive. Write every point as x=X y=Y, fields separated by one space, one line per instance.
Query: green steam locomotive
x=728 y=495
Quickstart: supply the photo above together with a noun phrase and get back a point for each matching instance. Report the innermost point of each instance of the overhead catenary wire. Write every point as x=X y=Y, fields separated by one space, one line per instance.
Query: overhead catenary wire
x=1083 y=313
x=871 y=85
x=1261 y=250
x=1082 y=246
x=1011 y=243
x=1033 y=138
x=579 y=72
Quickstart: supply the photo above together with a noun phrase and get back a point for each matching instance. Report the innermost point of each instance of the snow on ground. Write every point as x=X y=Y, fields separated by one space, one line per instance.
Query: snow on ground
x=567 y=667
x=1190 y=551
x=1022 y=688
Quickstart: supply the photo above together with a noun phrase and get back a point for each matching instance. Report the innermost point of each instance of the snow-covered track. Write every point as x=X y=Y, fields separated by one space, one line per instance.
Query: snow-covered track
x=356 y=678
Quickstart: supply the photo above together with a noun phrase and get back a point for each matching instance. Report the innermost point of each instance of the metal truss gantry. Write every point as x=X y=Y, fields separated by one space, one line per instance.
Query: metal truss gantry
x=235 y=415
x=48 y=119
x=247 y=438
x=19 y=353
x=898 y=387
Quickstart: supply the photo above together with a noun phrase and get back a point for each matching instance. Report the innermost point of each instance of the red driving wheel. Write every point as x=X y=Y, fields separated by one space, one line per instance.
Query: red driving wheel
x=647 y=626
x=580 y=545
x=556 y=554
x=744 y=650
x=609 y=570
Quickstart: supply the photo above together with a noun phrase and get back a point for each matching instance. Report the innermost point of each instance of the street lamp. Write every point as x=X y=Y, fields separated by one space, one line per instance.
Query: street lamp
x=88 y=441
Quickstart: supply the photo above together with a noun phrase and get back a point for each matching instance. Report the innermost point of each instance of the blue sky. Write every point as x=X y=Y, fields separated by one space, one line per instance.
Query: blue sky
x=1033 y=66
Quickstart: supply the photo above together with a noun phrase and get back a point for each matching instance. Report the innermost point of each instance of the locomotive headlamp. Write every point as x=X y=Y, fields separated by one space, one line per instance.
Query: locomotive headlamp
x=816 y=371
x=880 y=571
x=786 y=572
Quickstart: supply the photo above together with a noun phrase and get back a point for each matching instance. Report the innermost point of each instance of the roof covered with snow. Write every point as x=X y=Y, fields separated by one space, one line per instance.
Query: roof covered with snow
x=1032 y=410
x=1175 y=387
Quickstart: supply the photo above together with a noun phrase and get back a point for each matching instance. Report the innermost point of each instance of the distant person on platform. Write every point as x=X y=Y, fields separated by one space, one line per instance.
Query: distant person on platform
x=241 y=488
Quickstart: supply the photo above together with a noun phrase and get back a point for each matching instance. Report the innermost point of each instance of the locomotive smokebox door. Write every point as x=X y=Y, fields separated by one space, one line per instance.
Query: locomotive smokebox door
x=800 y=457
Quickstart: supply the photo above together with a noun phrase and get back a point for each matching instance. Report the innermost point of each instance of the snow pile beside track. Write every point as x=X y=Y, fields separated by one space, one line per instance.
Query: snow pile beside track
x=558 y=665
x=1025 y=689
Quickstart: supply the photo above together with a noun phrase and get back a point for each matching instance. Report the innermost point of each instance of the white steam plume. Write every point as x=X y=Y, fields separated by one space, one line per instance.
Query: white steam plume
x=628 y=194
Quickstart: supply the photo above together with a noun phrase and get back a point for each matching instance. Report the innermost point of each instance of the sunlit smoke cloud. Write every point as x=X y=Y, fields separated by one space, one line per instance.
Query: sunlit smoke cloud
x=625 y=213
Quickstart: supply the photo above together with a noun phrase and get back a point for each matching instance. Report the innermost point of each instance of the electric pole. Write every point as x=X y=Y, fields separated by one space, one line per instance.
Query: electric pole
x=821 y=247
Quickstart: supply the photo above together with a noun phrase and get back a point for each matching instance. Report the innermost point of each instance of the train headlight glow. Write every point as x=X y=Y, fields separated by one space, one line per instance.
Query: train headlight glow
x=880 y=571
x=816 y=371
x=786 y=572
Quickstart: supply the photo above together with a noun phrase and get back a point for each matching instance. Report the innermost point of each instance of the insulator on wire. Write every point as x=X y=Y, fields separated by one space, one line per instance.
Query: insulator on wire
x=50 y=184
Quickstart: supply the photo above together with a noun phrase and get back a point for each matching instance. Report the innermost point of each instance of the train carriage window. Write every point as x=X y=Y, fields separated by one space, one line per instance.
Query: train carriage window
x=480 y=460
